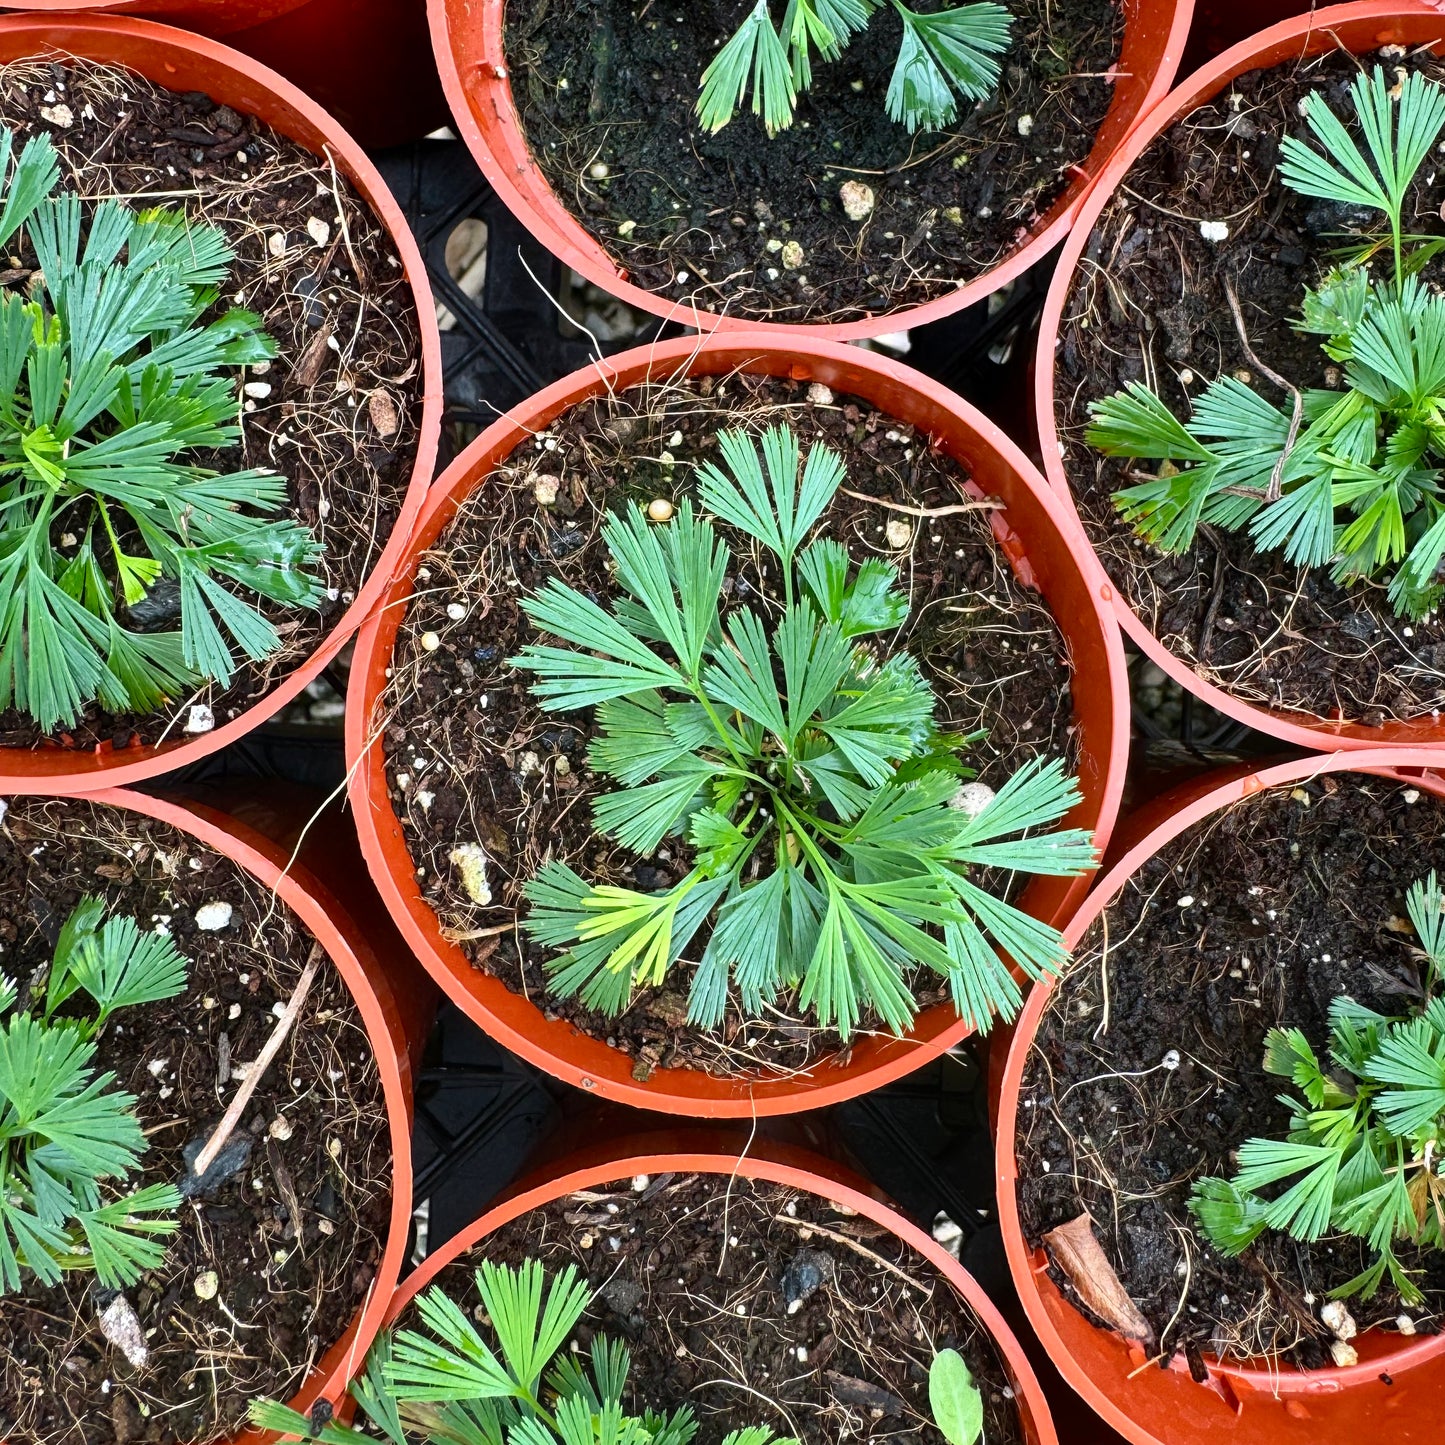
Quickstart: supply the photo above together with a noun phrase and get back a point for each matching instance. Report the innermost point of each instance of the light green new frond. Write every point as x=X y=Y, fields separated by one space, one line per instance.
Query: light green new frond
x=755 y=57
x=1425 y=903
x=948 y=50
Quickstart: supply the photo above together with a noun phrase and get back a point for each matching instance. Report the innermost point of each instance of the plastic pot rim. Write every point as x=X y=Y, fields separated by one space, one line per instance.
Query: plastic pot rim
x=554 y=1046
x=1300 y=729
x=323 y=916
x=1199 y=800
x=565 y=237
x=176 y=12
x=790 y=1167
x=98 y=37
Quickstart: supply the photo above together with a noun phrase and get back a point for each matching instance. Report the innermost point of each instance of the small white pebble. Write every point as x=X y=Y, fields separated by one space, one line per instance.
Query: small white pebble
x=1215 y=231
x=599 y=170
x=276 y=243
x=259 y=389
x=820 y=395
x=200 y=718
x=971 y=798
x=898 y=533
x=206 y=1284
x=1187 y=901
x=430 y=641
x=233 y=1013
x=857 y=200
x=60 y=115
x=1026 y=125
x=470 y=860
x=318 y=230
x=640 y=1182
x=214 y=916
x=456 y=611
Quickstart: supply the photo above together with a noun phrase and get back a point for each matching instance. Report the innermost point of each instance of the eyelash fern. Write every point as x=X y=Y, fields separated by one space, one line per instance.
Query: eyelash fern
x=1363 y=1152
x=939 y=53
x=108 y=376
x=65 y=1131
x=1350 y=479
x=450 y=1387
x=799 y=759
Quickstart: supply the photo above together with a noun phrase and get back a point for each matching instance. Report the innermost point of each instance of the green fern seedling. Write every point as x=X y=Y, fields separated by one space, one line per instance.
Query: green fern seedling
x=1352 y=478
x=65 y=1133
x=1363 y=1156
x=451 y=1387
x=798 y=759
x=108 y=377
x=940 y=53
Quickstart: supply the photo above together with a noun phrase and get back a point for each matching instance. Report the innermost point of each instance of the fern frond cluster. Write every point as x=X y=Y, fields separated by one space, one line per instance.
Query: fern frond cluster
x=1350 y=478
x=1363 y=1156
x=941 y=52
x=108 y=377
x=800 y=761
x=451 y=1387
x=65 y=1133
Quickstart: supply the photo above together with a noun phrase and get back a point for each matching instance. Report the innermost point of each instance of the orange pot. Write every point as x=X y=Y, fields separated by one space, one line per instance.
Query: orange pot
x=1399 y=1383
x=185 y=62
x=714 y=1152
x=368 y=62
x=181 y=61
x=1363 y=26
x=467 y=38
x=396 y=1009
x=1041 y=543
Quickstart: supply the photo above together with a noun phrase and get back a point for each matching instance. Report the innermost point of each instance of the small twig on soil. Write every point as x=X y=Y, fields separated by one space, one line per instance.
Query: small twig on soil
x=1273 y=490
x=467 y=935
x=985 y=504
x=852 y=1244
x=256 y=1072
x=1216 y=594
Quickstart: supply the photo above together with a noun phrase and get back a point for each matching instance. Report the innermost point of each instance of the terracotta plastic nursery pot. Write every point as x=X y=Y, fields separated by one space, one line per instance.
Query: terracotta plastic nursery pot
x=710 y=1152
x=1396 y=1389
x=1359 y=27
x=368 y=62
x=1042 y=545
x=397 y=1014
x=183 y=62
x=467 y=38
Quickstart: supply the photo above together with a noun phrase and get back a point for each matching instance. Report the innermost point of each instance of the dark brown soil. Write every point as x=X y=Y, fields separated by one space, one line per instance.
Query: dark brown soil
x=130 y=138
x=482 y=762
x=282 y=1300
x=1150 y=303
x=696 y=1272
x=615 y=82
x=1293 y=893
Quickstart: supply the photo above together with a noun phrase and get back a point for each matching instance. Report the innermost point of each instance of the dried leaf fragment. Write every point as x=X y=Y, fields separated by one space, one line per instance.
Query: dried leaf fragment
x=121 y=1326
x=382 y=410
x=1076 y=1251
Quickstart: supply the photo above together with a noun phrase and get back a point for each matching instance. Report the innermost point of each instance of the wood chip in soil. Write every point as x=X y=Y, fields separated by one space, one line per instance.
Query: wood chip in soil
x=129 y=137
x=1257 y=917
x=731 y=1304
x=702 y=219
x=470 y=757
x=288 y=1287
x=1149 y=304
